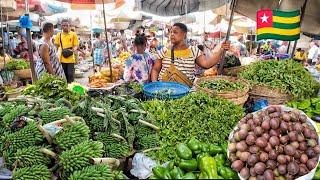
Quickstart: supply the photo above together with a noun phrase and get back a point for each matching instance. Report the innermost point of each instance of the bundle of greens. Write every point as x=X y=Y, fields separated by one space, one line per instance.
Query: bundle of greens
x=222 y=85
x=52 y=87
x=209 y=119
x=285 y=75
x=17 y=64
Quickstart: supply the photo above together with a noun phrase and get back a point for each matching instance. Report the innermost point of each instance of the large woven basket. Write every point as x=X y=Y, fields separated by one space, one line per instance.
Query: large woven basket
x=23 y=73
x=273 y=96
x=233 y=71
x=239 y=97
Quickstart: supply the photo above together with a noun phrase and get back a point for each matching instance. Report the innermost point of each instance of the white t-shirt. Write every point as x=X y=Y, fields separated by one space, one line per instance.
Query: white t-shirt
x=313 y=53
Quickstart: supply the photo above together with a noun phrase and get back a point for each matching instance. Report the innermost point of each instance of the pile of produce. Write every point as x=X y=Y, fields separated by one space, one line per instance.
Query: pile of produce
x=274 y=143
x=285 y=75
x=309 y=106
x=17 y=64
x=196 y=160
x=34 y=150
x=102 y=78
x=222 y=85
x=120 y=123
x=208 y=119
x=52 y=87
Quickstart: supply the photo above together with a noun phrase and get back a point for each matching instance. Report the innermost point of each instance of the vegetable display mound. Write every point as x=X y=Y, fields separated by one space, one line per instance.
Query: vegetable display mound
x=309 y=106
x=17 y=64
x=52 y=87
x=208 y=119
x=285 y=75
x=222 y=85
x=274 y=143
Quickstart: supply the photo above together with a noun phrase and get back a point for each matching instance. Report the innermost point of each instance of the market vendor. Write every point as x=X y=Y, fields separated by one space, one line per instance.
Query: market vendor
x=138 y=67
x=178 y=64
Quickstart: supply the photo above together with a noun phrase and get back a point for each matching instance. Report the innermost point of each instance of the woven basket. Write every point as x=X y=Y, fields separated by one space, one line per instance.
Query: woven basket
x=273 y=96
x=23 y=73
x=234 y=71
x=239 y=97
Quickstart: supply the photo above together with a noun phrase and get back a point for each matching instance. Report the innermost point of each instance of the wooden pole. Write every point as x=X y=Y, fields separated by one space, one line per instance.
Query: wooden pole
x=303 y=9
x=106 y=34
x=30 y=48
x=222 y=62
x=288 y=47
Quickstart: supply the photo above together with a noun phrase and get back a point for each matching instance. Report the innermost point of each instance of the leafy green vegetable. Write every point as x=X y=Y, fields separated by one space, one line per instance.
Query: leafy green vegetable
x=52 y=87
x=17 y=64
x=310 y=106
x=222 y=85
x=285 y=75
x=208 y=119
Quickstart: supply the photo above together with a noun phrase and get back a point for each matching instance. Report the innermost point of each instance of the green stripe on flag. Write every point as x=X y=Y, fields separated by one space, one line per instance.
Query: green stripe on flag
x=286 y=14
x=285 y=26
x=278 y=37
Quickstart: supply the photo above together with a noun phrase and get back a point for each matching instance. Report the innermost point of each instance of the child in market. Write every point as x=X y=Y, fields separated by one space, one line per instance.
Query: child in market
x=138 y=66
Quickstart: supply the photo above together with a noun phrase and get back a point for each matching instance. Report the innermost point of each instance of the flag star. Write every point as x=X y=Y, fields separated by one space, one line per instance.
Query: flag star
x=264 y=18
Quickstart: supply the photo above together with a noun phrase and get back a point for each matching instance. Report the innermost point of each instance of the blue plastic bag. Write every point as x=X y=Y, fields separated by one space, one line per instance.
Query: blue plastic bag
x=260 y=104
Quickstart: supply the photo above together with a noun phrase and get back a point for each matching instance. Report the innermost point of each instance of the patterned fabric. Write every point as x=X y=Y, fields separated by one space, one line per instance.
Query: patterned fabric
x=184 y=60
x=98 y=56
x=138 y=68
x=56 y=65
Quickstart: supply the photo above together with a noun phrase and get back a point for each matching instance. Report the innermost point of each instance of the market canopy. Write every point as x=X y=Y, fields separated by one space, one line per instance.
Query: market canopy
x=177 y=7
x=310 y=23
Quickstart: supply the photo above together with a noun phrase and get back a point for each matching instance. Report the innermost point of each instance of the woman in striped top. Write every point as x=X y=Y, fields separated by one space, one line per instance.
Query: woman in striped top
x=185 y=57
x=48 y=61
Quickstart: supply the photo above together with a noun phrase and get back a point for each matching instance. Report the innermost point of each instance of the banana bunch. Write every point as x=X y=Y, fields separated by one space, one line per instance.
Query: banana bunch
x=5 y=108
x=96 y=124
x=78 y=156
x=94 y=172
x=54 y=114
x=72 y=134
x=37 y=172
x=27 y=136
x=8 y=118
x=148 y=141
x=30 y=156
x=113 y=147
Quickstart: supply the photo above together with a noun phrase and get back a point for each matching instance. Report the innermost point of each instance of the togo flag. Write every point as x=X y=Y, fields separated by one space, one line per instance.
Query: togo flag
x=279 y=25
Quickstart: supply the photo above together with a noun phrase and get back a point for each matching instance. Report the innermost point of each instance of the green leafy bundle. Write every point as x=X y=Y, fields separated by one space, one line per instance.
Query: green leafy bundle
x=309 y=106
x=285 y=75
x=209 y=119
x=222 y=85
x=17 y=64
x=52 y=87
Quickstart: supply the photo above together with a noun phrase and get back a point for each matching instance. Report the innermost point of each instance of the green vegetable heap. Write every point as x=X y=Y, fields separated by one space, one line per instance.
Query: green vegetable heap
x=222 y=85
x=17 y=64
x=196 y=160
x=309 y=106
x=52 y=87
x=285 y=75
x=209 y=119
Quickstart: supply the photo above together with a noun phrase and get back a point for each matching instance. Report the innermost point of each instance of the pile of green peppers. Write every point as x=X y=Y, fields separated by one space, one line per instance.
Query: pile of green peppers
x=196 y=160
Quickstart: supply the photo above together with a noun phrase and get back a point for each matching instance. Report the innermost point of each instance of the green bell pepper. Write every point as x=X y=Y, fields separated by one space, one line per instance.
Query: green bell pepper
x=176 y=173
x=214 y=149
x=208 y=168
x=189 y=175
x=228 y=173
x=199 y=156
x=183 y=151
x=220 y=159
x=194 y=144
x=161 y=172
x=205 y=147
x=188 y=165
x=317 y=174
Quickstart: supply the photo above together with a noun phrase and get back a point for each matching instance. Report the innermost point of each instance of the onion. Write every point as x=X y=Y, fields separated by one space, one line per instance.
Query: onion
x=303 y=158
x=258 y=131
x=264 y=157
x=293 y=168
x=284 y=139
x=271 y=164
x=232 y=147
x=293 y=136
x=282 y=168
x=253 y=159
x=245 y=173
x=298 y=127
x=311 y=164
x=261 y=142
x=281 y=159
x=251 y=139
x=274 y=141
x=273 y=154
x=265 y=125
x=274 y=123
x=241 y=146
x=259 y=168
x=237 y=165
x=244 y=156
x=289 y=150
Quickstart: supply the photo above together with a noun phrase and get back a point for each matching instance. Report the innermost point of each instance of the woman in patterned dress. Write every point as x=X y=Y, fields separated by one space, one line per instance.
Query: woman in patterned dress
x=138 y=67
x=185 y=57
x=48 y=61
